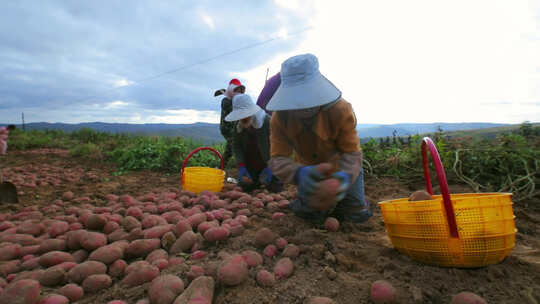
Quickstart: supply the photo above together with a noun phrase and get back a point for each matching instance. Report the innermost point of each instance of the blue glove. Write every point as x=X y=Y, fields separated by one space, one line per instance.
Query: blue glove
x=308 y=178
x=345 y=182
x=242 y=171
x=267 y=175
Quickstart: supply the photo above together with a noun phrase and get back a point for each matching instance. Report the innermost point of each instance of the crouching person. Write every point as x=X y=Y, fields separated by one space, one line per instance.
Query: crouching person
x=312 y=122
x=251 y=145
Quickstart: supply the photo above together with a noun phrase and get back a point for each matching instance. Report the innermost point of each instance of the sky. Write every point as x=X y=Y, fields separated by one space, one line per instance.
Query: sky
x=395 y=61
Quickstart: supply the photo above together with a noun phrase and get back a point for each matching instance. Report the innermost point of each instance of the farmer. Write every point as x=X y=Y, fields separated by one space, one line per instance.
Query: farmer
x=4 y=131
x=227 y=128
x=251 y=144
x=315 y=124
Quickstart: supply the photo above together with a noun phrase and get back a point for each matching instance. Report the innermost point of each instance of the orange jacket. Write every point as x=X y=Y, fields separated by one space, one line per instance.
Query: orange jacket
x=331 y=138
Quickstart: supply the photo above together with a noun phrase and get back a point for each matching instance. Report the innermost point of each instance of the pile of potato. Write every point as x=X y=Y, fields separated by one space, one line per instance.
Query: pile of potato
x=33 y=176
x=77 y=248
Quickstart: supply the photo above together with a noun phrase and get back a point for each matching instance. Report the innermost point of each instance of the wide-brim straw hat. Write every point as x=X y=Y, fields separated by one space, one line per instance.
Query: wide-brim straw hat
x=243 y=107
x=302 y=85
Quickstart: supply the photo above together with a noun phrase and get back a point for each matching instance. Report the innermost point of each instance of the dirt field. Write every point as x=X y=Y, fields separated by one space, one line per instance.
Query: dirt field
x=339 y=265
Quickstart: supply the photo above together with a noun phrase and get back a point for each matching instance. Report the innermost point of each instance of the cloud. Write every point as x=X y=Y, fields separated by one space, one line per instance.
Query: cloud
x=116 y=104
x=122 y=83
x=209 y=21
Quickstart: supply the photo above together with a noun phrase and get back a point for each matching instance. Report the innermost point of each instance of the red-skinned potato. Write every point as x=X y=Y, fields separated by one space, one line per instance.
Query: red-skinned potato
x=382 y=292
x=467 y=297
x=252 y=258
x=117 y=268
x=164 y=289
x=141 y=275
x=331 y=224
x=266 y=278
x=80 y=272
x=233 y=270
x=21 y=292
x=54 y=299
x=54 y=258
x=96 y=282
x=73 y=292
x=264 y=236
x=283 y=268
x=216 y=234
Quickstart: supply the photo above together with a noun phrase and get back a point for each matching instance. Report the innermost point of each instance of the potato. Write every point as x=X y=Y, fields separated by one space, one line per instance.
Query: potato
x=54 y=258
x=331 y=224
x=195 y=272
x=116 y=302
x=204 y=226
x=266 y=278
x=93 y=240
x=134 y=265
x=160 y=264
x=25 y=250
x=21 y=239
x=52 y=245
x=30 y=227
x=3 y=283
x=80 y=255
x=196 y=219
x=58 y=228
x=420 y=195
x=30 y=264
x=54 y=299
x=197 y=255
x=141 y=275
x=277 y=215
x=107 y=254
x=270 y=251
x=201 y=290
x=291 y=251
x=281 y=243
x=135 y=212
x=53 y=276
x=10 y=252
x=382 y=292
x=264 y=236
x=252 y=258
x=157 y=232
x=283 y=268
x=96 y=282
x=110 y=227
x=467 y=297
x=172 y=217
x=74 y=238
x=320 y=300
x=184 y=243
x=175 y=261
x=233 y=270
x=152 y=220
x=156 y=255
x=80 y=272
x=168 y=240
x=117 y=268
x=325 y=197
x=95 y=222
x=216 y=234
x=129 y=223
x=141 y=248
x=21 y=292
x=72 y=291
x=181 y=227
x=117 y=235
x=66 y=265
x=143 y=301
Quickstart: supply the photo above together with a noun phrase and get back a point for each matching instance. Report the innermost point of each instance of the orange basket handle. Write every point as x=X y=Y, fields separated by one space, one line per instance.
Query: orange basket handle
x=443 y=183
x=197 y=150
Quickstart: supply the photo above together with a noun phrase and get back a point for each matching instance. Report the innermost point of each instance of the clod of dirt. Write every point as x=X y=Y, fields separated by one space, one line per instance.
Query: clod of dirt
x=420 y=195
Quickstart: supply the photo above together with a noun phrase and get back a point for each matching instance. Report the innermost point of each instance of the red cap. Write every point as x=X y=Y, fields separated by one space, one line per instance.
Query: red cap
x=235 y=81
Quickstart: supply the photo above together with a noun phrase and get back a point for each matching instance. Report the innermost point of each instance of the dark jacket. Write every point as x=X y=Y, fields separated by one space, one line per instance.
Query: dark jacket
x=227 y=128
x=240 y=142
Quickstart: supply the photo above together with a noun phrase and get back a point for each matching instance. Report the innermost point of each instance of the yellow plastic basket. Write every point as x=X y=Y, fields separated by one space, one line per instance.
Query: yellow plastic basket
x=197 y=179
x=465 y=230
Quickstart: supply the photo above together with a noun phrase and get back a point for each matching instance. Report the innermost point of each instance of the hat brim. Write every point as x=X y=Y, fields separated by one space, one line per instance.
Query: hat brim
x=316 y=92
x=243 y=113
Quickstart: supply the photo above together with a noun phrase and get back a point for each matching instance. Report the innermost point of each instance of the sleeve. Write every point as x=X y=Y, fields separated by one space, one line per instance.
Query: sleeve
x=237 y=149
x=281 y=164
x=224 y=125
x=349 y=144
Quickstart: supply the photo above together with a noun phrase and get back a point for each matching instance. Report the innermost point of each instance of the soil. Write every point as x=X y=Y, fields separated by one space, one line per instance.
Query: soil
x=339 y=265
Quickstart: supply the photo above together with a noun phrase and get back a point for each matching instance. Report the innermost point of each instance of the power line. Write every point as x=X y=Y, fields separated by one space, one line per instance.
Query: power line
x=187 y=66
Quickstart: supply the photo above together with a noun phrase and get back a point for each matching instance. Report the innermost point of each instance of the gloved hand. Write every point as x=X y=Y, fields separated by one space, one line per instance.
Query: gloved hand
x=267 y=175
x=308 y=178
x=345 y=182
x=243 y=172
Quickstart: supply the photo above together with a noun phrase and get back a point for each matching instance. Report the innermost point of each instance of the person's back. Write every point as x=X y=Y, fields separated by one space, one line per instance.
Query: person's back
x=4 y=131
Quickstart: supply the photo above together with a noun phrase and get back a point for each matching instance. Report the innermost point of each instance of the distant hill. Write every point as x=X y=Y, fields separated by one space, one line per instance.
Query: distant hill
x=208 y=133
x=406 y=129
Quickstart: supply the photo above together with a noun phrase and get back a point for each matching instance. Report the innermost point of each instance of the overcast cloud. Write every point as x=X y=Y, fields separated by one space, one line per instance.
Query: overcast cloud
x=395 y=61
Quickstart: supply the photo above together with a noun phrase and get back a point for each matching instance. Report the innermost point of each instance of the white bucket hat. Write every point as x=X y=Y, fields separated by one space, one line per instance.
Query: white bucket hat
x=243 y=107
x=302 y=85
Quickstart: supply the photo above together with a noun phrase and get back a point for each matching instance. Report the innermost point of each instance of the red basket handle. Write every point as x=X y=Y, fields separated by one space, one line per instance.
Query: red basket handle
x=443 y=183
x=197 y=150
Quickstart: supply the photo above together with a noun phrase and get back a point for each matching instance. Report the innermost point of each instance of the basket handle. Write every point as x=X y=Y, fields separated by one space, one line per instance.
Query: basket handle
x=197 y=150
x=443 y=183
